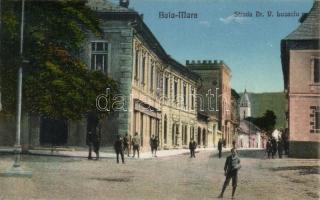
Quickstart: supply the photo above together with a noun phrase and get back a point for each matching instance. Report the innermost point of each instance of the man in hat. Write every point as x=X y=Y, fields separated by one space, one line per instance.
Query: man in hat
x=118 y=147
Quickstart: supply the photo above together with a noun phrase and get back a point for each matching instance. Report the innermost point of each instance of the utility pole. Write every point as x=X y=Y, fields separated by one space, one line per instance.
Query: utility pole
x=16 y=169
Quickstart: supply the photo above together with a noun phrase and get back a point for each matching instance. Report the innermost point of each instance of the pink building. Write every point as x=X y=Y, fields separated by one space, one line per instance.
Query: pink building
x=300 y=57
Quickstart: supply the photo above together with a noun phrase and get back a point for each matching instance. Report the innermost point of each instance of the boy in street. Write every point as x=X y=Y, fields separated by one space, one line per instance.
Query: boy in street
x=231 y=168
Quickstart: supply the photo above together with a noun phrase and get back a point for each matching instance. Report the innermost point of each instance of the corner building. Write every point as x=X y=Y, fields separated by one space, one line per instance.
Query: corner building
x=300 y=56
x=159 y=90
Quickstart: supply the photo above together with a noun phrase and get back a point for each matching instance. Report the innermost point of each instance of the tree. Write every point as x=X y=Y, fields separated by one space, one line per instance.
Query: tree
x=234 y=94
x=56 y=81
x=266 y=123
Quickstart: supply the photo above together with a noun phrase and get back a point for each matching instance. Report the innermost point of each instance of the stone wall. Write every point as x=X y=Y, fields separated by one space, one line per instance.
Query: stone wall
x=304 y=149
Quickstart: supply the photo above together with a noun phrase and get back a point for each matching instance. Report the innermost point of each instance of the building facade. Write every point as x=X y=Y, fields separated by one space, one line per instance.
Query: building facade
x=215 y=95
x=300 y=55
x=157 y=94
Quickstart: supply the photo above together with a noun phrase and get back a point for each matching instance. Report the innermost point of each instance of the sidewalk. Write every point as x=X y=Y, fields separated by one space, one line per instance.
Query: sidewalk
x=105 y=152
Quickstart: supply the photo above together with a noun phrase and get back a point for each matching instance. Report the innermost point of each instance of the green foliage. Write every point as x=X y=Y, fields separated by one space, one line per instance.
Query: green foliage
x=275 y=101
x=234 y=94
x=267 y=122
x=56 y=81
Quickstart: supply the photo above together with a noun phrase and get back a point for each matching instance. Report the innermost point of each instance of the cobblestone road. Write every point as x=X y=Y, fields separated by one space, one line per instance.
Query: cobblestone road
x=175 y=177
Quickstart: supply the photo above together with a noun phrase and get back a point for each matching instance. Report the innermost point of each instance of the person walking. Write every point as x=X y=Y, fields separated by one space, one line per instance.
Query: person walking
x=154 y=145
x=220 y=147
x=280 y=148
x=231 y=167
x=192 y=147
x=274 y=146
x=97 y=141
x=118 y=147
x=93 y=136
x=126 y=144
x=269 y=148
x=136 y=144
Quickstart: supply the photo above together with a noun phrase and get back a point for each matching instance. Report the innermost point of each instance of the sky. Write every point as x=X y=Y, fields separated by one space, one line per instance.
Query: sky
x=250 y=46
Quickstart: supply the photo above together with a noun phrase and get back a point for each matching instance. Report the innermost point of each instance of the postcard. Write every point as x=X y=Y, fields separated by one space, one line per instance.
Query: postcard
x=159 y=99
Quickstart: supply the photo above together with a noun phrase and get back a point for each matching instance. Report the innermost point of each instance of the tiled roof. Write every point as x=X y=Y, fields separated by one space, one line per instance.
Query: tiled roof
x=247 y=127
x=309 y=29
x=102 y=5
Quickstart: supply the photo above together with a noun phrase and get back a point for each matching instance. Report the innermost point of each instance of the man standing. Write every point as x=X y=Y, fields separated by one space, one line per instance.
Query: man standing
x=97 y=140
x=220 y=147
x=118 y=147
x=231 y=168
x=269 y=148
x=280 y=148
x=274 y=146
x=154 y=145
x=93 y=135
x=126 y=145
x=192 y=147
x=136 y=144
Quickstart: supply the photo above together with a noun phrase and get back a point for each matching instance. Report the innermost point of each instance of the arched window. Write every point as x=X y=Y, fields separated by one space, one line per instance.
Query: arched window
x=165 y=129
x=199 y=136
x=204 y=137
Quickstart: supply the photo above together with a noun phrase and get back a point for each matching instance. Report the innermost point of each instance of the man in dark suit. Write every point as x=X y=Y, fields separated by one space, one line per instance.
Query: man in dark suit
x=118 y=147
x=93 y=138
x=220 y=147
x=192 y=147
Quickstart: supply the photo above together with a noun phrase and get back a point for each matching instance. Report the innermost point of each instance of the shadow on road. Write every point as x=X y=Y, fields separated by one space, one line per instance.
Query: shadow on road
x=113 y=179
x=303 y=170
x=244 y=153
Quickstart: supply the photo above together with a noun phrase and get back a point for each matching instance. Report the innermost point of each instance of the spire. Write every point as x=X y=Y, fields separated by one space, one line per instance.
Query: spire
x=245 y=101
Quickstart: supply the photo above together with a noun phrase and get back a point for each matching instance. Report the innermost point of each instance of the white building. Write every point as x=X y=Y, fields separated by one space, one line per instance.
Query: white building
x=245 y=106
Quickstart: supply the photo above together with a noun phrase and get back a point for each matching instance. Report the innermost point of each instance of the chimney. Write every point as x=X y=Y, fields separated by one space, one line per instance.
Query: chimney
x=124 y=3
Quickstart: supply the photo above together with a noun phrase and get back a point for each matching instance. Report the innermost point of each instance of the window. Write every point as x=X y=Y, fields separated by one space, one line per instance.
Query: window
x=158 y=78
x=99 y=56
x=136 y=69
x=175 y=89
x=192 y=99
x=151 y=77
x=166 y=86
x=185 y=138
x=184 y=95
x=316 y=71
x=141 y=128
x=173 y=133
x=165 y=129
x=315 y=119
x=143 y=69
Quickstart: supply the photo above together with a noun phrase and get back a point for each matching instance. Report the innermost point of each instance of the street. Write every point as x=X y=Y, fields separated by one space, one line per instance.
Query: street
x=173 y=177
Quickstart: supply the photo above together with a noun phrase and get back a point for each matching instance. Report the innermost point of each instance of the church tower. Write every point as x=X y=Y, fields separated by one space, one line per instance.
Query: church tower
x=245 y=106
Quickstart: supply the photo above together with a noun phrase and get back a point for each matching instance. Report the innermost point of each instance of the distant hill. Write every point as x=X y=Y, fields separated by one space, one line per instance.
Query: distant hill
x=275 y=101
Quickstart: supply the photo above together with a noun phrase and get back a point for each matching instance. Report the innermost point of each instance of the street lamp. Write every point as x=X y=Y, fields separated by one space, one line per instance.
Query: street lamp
x=16 y=169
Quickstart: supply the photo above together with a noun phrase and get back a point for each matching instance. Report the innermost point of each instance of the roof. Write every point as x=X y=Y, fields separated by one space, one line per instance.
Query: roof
x=247 y=127
x=102 y=5
x=309 y=28
x=207 y=65
x=306 y=36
